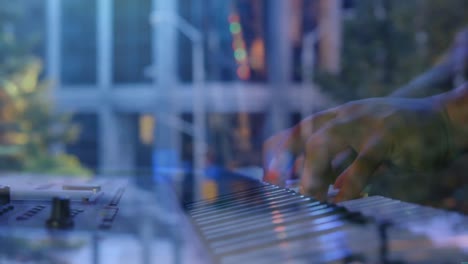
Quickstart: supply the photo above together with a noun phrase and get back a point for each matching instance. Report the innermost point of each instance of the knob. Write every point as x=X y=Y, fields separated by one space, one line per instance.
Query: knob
x=383 y=227
x=4 y=195
x=60 y=217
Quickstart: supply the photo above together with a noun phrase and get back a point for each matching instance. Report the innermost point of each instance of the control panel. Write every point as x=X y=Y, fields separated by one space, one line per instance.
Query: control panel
x=62 y=203
x=100 y=220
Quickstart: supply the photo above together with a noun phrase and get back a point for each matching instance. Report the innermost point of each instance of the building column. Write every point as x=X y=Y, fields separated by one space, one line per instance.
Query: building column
x=53 y=41
x=53 y=60
x=166 y=155
x=116 y=136
x=104 y=44
x=279 y=62
x=107 y=136
x=108 y=141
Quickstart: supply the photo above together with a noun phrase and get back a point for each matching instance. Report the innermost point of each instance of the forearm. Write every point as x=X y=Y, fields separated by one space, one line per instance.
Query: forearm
x=449 y=73
x=434 y=81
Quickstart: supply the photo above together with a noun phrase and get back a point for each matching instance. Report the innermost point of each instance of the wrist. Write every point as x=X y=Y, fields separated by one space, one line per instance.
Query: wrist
x=454 y=107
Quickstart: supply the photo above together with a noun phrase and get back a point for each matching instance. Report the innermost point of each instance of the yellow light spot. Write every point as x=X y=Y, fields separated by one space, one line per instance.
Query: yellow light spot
x=209 y=189
x=147 y=125
x=11 y=88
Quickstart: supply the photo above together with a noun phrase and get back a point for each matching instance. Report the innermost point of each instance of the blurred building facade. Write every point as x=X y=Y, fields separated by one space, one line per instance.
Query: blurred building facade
x=102 y=56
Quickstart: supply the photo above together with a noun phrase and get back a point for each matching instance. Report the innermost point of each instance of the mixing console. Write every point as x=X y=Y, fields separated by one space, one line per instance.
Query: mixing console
x=103 y=220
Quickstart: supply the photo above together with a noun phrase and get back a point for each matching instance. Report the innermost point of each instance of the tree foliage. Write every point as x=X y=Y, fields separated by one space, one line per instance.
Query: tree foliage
x=28 y=126
x=386 y=43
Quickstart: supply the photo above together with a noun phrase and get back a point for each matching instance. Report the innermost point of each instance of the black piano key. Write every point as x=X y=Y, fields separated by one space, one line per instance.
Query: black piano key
x=265 y=220
x=305 y=216
x=265 y=210
x=282 y=233
x=234 y=197
x=207 y=202
x=214 y=217
x=239 y=199
x=247 y=218
x=245 y=201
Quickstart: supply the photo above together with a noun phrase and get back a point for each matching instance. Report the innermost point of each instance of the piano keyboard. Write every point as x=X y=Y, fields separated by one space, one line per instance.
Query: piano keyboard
x=268 y=224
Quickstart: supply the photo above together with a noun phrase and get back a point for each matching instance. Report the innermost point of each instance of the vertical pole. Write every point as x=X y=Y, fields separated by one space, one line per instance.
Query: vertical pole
x=199 y=116
x=104 y=44
x=53 y=58
x=116 y=131
x=108 y=125
x=53 y=41
x=279 y=60
x=167 y=140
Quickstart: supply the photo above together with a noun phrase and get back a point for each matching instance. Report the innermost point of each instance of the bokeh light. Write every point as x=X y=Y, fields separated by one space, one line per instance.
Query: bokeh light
x=235 y=28
x=243 y=72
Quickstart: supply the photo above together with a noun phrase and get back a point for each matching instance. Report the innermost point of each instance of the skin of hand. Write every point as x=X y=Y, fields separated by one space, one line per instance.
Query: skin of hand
x=412 y=134
x=347 y=144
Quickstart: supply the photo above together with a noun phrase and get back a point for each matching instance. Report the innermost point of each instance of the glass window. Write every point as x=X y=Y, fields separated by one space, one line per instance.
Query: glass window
x=132 y=40
x=31 y=26
x=78 y=44
x=85 y=147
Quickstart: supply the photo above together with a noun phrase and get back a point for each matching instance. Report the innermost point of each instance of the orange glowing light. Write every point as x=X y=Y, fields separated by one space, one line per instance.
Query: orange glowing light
x=209 y=189
x=279 y=229
x=257 y=54
x=278 y=221
x=243 y=72
x=234 y=18
x=238 y=44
